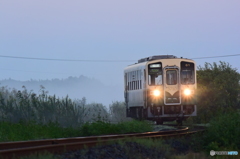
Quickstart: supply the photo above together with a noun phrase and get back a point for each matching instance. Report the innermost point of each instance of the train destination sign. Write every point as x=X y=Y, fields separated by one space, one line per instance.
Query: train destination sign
x=156 y=70
x=155 y=65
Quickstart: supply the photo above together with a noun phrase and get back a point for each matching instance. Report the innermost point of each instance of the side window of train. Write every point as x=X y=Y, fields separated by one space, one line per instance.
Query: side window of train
x=128 y=81
x=134 y=79
x=187 y=73
x=155 y=74
x=125 y=82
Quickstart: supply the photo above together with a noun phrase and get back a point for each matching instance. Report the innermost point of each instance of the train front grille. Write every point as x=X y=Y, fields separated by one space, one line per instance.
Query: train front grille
x=175 y=98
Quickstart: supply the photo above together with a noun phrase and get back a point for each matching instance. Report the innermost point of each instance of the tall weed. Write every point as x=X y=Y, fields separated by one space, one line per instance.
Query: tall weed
x=25 y=106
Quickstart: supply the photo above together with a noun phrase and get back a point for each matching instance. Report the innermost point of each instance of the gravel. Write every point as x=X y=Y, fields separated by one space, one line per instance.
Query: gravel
x=129 y=150
x=163 y=128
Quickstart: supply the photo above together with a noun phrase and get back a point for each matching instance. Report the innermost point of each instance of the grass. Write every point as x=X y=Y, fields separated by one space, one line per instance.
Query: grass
x=100 y=128
x=45 y=155
x=32 y=130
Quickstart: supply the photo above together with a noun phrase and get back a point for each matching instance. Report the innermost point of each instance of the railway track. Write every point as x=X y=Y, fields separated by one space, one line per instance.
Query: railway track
x=22 y=148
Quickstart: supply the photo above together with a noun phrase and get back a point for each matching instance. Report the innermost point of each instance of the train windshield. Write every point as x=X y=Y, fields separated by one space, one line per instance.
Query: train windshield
x=187 y=73
x=155 y=74
x=171 y=77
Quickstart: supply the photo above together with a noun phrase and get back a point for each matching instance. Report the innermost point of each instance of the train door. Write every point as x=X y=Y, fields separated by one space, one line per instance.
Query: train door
x=171 y=86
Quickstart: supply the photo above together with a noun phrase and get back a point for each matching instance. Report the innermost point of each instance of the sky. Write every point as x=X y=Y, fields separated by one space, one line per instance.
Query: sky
x=110 y=35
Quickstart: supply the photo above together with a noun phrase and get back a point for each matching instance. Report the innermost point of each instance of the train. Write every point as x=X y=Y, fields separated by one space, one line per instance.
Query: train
x=161 y=88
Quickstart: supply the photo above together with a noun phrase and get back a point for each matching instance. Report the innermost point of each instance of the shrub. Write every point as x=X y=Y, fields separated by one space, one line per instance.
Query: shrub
x=118 y=111
x=223 y=132
x=218 y=88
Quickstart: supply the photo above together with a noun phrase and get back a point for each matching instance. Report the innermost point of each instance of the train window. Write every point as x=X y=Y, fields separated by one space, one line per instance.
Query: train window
x=130 y=83
x=136 y=83
x=132 y=76
x=155 y=79
x=155 y=74
x=138 y=79
x=127 y=81
x=171 y=77
x=187 y=73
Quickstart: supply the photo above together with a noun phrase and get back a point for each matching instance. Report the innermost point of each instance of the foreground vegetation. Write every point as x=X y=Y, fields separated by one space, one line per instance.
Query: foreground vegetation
x=25 y=115
x=32 y=130
x=223 y=132
x=221 y=135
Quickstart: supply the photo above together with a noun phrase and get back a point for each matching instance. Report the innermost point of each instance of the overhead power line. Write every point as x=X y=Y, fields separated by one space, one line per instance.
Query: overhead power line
x=76 y=60
x=215 y=56
x=69 y=60
x=6 y=69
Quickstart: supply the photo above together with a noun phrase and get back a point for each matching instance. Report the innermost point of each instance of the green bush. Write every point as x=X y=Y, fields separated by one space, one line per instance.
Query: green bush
x=118 y=111
x=223 y=132
x=218 y=87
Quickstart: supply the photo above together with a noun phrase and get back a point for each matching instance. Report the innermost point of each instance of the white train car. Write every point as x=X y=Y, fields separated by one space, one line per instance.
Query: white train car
x=161 y=88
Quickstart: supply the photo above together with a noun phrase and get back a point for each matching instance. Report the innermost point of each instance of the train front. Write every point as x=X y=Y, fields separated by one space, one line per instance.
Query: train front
x=171 y=89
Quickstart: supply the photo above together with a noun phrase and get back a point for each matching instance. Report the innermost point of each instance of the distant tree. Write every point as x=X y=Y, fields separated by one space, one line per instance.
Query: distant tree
x=218 y=89
x=118 y=111
x=96 y=112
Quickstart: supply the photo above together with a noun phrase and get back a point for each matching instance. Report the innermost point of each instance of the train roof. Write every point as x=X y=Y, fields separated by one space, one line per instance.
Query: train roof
x=156 y=57
x=142 y=62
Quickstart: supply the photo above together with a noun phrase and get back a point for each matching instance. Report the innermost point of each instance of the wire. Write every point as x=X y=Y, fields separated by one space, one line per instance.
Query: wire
x=72 y=60
x=4 y=69
x=215 y=56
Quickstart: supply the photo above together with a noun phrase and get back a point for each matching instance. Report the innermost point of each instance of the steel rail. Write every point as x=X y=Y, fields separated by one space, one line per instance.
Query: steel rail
x=32 y=143
x=21 y=148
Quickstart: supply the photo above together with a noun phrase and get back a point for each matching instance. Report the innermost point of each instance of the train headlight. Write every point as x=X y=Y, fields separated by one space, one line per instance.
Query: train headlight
x=187 y=92
x=156 y=93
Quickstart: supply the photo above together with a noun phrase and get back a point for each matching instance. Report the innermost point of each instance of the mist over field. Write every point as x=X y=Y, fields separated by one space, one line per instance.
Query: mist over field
x=73 y=87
